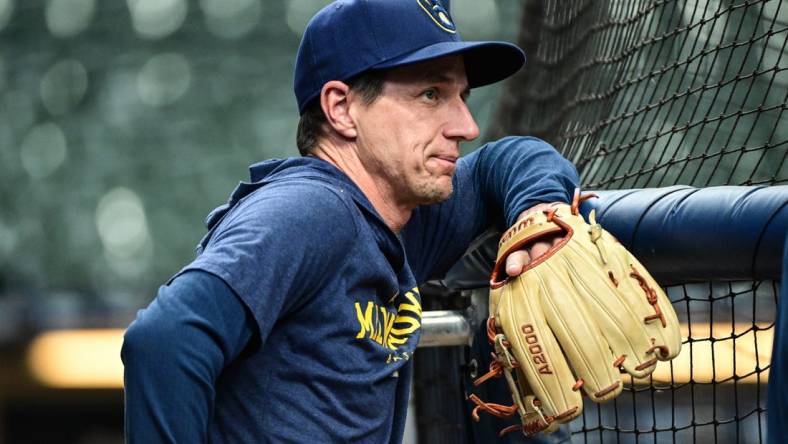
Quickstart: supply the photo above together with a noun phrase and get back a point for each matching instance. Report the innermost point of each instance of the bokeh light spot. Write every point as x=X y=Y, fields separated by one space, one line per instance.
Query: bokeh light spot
x=66 y=18
x=476 y=19
x=43 y=150
x=131 y=267
x=231 y=19
x=300 y=11
x=3 y=72
x=121 y=223
x=163 y=79
x=8 y=240
x=63 y=86
x=6 y=11
x=154 y=19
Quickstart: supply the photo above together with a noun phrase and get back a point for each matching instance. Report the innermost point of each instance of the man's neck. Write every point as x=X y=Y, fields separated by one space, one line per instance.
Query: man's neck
x=345 y=157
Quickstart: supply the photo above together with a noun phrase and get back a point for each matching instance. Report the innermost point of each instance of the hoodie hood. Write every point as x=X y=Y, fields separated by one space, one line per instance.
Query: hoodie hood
x=274 y=170
x=311 y=168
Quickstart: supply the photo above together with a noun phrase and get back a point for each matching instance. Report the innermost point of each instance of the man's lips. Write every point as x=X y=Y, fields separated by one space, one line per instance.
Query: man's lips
x=448 y=158
x=446 y=161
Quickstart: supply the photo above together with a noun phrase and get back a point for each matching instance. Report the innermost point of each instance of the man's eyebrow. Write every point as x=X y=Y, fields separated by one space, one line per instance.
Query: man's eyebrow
x=434 y=77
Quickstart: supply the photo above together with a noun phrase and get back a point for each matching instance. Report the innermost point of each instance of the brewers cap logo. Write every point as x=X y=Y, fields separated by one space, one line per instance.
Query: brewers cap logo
x=438 y=14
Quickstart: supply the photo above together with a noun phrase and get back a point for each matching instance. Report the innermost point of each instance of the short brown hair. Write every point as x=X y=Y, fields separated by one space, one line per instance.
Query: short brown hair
x=368 y=84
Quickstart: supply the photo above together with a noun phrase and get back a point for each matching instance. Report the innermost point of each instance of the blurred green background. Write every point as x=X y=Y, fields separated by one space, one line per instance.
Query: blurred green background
x=122 y=124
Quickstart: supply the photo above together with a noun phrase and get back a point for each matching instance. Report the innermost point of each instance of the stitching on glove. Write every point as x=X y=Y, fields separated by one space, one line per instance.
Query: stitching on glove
x=534 y=427
x=577 y=199
x=497 y=410
x=663 y=351
x=512 y=428
x=491 y=329
x=619 y=361
x=496 y=370
x=651 y=297
x=496 y=365
x=530 y=428
x=607 y=390
x=566 y=414
x=612 y=278
x=647 y=364
x=502 y=365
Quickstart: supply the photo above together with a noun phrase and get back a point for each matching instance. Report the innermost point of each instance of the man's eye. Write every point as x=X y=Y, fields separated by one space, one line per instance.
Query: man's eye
x=431 y=94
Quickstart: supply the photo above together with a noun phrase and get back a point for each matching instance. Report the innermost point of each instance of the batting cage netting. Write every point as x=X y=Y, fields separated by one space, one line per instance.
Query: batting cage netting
x=642 y=94
x=715 y=390
x=655 y=93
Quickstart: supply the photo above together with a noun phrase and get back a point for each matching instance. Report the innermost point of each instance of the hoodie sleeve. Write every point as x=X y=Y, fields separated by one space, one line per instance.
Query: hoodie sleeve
x=492 y=186
x=174 y=352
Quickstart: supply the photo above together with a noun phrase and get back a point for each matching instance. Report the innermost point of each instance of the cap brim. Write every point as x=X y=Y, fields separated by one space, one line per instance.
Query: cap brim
x=485 y=62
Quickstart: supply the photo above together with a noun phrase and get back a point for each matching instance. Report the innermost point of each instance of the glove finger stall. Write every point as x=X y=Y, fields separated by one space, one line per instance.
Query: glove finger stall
x=538 y=354
x=576 y=329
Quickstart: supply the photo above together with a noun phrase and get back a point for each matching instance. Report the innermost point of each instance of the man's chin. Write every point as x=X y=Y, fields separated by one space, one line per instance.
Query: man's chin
x=437 y=195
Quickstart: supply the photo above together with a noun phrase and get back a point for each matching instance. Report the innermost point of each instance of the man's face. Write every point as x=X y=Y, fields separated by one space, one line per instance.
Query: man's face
x=408 y=138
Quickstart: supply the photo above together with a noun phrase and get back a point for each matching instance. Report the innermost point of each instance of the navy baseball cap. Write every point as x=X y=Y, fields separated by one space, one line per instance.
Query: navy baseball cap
x=349 y=37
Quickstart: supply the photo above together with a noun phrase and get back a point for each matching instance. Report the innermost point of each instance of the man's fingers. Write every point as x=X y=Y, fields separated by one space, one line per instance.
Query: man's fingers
x=519 y=259
x=540 y=248
x=516 y=261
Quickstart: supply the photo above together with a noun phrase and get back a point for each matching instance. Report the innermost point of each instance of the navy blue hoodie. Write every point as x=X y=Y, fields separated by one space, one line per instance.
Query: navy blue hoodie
x=299 y=317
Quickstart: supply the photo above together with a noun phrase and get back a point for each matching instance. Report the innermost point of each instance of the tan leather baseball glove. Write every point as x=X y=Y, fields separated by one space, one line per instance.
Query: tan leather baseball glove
x=575 y=319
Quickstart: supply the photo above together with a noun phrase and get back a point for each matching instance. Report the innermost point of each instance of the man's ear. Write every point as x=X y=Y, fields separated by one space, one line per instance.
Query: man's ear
x=334 y=99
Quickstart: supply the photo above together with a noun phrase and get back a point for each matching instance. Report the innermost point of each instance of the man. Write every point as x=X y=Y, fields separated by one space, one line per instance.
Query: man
x=299 y=317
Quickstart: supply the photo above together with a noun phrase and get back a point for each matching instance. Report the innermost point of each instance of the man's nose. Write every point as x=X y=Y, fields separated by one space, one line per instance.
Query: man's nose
x=461 y=125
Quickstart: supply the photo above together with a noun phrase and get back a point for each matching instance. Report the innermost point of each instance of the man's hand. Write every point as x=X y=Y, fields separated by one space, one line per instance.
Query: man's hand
x=519 y=259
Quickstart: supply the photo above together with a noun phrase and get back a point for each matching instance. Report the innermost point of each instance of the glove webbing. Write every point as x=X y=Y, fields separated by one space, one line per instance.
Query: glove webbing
x=502 y=365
